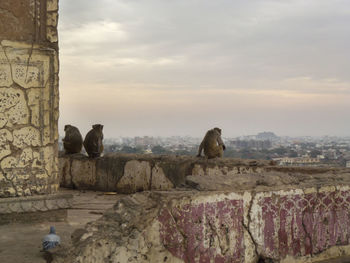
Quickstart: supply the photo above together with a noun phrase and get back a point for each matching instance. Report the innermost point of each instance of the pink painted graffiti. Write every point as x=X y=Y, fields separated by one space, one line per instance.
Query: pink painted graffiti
x=207 y=232
x=299 y=225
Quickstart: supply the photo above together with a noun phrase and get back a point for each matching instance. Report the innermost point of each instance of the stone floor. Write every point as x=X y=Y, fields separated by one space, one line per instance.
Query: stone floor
x=21 y=243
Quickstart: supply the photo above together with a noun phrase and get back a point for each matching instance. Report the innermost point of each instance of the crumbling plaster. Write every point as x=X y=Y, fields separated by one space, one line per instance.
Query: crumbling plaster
x=305 y=224
x=28 y=97
x=28 y=127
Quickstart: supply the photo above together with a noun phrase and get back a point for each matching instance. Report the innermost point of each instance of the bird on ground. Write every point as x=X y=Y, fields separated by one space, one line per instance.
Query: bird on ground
x=51 y=240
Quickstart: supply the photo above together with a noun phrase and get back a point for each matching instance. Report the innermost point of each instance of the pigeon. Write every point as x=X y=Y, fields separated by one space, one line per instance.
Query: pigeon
x=51 y=240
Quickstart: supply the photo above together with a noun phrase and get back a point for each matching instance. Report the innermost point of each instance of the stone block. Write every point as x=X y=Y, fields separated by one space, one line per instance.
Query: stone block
x=27 y=136
x=109 y=171
x=51 y=34
x=64 y=166
x=14 y=106
x=51 y=204
x=26 y=206
x=3 y=120
x=83 y=172
x=159 y=180
x=137 y=176
x=52 y=18
x=5 y=70
x=52 y=5
x=5 y=140
x=15 y=207
x=4 y=209
x=40 y=206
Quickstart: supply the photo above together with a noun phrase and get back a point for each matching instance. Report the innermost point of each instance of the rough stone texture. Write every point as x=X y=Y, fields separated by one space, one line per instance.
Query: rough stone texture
x=87 y=169
x=137 y=177
x=29 y=218
x=34 y=204
x=276 y=214
x=31 y=21
x=35 y=208
x=159 y=181
x=29 y=97
x=125 y=173
x=130 y=173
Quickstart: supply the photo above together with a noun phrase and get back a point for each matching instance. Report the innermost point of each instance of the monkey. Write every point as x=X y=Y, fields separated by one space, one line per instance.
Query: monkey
x=212 y=144
x=93 y=141
x=73 y=141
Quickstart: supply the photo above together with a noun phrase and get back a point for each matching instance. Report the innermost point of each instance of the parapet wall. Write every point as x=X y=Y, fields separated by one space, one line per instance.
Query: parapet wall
x=130 y=173
x=271 y=214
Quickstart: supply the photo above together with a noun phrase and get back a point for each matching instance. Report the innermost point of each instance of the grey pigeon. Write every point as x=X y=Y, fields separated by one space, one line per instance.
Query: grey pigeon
x=51 y=240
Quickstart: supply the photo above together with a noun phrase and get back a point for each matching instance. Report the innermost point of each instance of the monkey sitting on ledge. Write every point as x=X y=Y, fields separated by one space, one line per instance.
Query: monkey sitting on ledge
x=73 y=141
x=93 y=141
x=212 y=144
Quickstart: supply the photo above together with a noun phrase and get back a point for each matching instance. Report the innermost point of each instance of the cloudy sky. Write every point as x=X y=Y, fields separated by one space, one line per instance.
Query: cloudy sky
x=180 y=67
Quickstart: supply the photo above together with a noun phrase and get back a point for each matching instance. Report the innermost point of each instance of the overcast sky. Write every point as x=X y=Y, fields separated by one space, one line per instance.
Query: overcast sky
x=180 y=67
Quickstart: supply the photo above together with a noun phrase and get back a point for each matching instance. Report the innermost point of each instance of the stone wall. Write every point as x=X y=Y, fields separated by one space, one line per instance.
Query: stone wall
x=130 y=173
x=31 y=209
x=274 y=215
x=28 y=97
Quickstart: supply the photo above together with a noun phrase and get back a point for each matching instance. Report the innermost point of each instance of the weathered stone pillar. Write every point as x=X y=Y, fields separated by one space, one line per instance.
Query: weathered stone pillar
x=28 y=98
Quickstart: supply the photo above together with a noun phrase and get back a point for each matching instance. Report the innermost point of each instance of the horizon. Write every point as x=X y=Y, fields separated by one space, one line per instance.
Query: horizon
x=227 y=137
x=184 y=67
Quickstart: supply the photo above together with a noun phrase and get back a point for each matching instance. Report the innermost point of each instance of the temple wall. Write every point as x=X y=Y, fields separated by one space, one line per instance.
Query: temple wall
x=29 y=97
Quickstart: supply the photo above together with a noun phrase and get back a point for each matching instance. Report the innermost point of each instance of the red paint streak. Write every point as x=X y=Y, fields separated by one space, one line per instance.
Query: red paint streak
x=207 y=232
x=296 y=225
x=304 y=224
x=282 y=233
x=174 y=241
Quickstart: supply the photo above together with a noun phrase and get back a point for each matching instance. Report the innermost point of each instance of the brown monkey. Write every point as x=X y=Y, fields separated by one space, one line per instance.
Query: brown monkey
x=93 y=141
x=212 y=144
x=73 y=141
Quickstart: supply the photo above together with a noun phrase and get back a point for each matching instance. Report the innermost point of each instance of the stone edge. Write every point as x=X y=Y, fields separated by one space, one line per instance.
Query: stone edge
x=35 y=204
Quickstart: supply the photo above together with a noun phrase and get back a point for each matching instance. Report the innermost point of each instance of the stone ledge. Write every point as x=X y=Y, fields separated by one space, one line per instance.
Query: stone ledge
x=130 y=173
x=59 y=215
x=33 y=204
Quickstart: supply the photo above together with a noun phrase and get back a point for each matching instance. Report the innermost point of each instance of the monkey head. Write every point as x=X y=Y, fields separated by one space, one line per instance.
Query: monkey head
x=217 y=129
x=98 y=127
x=67 y=127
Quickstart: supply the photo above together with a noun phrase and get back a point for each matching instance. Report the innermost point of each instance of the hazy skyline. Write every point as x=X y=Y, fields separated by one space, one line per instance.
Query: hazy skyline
x=181 y=67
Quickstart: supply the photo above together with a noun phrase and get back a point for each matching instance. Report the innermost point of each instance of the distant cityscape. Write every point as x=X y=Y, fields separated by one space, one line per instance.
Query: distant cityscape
x=284 y=150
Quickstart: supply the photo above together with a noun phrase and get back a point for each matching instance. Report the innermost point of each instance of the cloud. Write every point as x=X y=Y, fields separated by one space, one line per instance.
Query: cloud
x=169 y=58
